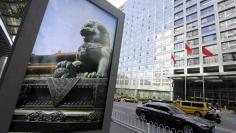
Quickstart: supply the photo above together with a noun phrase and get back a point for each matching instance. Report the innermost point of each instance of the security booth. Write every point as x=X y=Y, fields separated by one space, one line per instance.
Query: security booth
x=61 y=74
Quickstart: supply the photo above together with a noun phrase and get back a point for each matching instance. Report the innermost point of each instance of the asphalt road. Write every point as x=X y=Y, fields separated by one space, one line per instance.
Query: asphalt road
x=228 y=124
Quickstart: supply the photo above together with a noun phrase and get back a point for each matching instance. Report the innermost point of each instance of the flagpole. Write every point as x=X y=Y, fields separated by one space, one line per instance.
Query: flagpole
x=203 y=88
x=185 y=87
x=185 y=73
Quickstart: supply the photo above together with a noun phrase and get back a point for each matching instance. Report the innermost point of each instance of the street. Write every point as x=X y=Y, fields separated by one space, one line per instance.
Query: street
x=227 y=125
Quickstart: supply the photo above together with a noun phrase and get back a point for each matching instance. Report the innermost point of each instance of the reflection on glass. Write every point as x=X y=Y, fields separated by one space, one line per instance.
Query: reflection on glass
x=12 y=13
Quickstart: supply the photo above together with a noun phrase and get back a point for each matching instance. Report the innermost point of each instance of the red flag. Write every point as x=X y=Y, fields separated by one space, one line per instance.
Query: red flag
x=206 y=52
x=189 y=49
x=173 y=58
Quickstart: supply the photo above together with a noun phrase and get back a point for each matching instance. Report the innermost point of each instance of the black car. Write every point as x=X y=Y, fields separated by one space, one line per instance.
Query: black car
x=169 y=115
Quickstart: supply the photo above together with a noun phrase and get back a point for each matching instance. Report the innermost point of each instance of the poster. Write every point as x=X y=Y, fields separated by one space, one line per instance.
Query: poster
x=66 y=81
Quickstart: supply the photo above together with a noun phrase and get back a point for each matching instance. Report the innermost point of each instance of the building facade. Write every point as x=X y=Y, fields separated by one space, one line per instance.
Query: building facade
x=211 y=25
x=145 y=58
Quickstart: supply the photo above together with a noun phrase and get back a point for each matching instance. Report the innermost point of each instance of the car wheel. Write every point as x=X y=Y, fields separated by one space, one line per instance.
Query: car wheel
x=142 y=116
x=188 y=129
x=198 y=114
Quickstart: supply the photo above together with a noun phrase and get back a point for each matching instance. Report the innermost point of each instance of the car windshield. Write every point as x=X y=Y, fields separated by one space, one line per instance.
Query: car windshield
x=176 y=110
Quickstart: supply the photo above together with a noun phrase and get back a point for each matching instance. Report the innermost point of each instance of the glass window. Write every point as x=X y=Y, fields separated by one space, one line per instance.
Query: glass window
x=190 y=2
x=228 y=24
x=179 y=21
x=179 y=7
x=179 y=46
x=205 y=2
x=178 y=1
x=179 y=63
x=229 y=57
x=231 y=34
x=191 y=9
x=192 y=33
x=164 y=109
x=179 y=14
x=228 y=45
x=179 y=55
x=193 y=42
x=225 y=3
x=195 y=51
x=191 y=25
x=179 y=37
x=191 y=17
x=207 y=10
x=209 y=28
x=210 y=60
x=193 y=61
x=208 y=19
x=227 y=13
x=179 y=30
x=186 y=103
x=209 y=38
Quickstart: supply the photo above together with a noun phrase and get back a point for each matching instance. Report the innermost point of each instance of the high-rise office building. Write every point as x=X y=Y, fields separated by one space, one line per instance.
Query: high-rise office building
x=145 y=59
x=206 y=29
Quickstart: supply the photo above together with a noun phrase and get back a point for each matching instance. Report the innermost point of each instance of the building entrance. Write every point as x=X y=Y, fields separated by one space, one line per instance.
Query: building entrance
x=219 y=90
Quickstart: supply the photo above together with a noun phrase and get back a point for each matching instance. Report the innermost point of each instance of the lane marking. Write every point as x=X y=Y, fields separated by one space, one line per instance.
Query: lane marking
x=225 y=129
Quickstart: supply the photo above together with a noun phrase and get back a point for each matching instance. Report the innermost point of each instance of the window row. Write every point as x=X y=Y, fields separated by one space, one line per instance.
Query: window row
x=209 y=38
x=188 y=27
x=193 y=61
x=210 y=60
x=208 y=29
x=191 y=9
x=178 y=1
x=205 y=2
x=179 y=46
x=227 y=13
x=225 y=3
x=192 y=25
x=228 y=35
x=191 y=43
x=179 y=22
x=196 y=61
x=179 y=7
x=179 y=14
x=179 y=37
x=229 y=57
x=207 y=11
x=179 y=30
x=191 y=17
x=192 y=33
x=228 y=45
x=190 y=2
x=208 y=19
x=228 y=24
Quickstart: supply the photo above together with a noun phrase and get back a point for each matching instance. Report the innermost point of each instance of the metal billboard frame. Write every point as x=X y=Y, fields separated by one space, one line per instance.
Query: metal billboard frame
x=14 y=72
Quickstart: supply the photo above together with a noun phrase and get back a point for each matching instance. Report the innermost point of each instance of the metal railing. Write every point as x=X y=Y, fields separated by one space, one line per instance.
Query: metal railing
x=134 y=123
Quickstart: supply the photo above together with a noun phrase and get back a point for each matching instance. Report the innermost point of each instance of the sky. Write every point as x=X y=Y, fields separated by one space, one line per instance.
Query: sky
x=62 y=22
x=117 y=3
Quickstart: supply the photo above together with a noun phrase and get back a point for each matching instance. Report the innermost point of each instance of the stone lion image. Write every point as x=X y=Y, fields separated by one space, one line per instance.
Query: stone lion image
x=92 y=57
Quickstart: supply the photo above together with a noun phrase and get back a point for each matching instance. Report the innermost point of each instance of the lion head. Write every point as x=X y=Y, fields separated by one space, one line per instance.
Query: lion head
x=94 y=32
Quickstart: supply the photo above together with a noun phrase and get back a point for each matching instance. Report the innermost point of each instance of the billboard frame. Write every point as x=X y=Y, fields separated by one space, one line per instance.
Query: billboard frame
x=16 y=65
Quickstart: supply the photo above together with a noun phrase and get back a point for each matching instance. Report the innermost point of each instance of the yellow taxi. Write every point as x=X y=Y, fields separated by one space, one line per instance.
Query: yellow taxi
x=192 y=107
